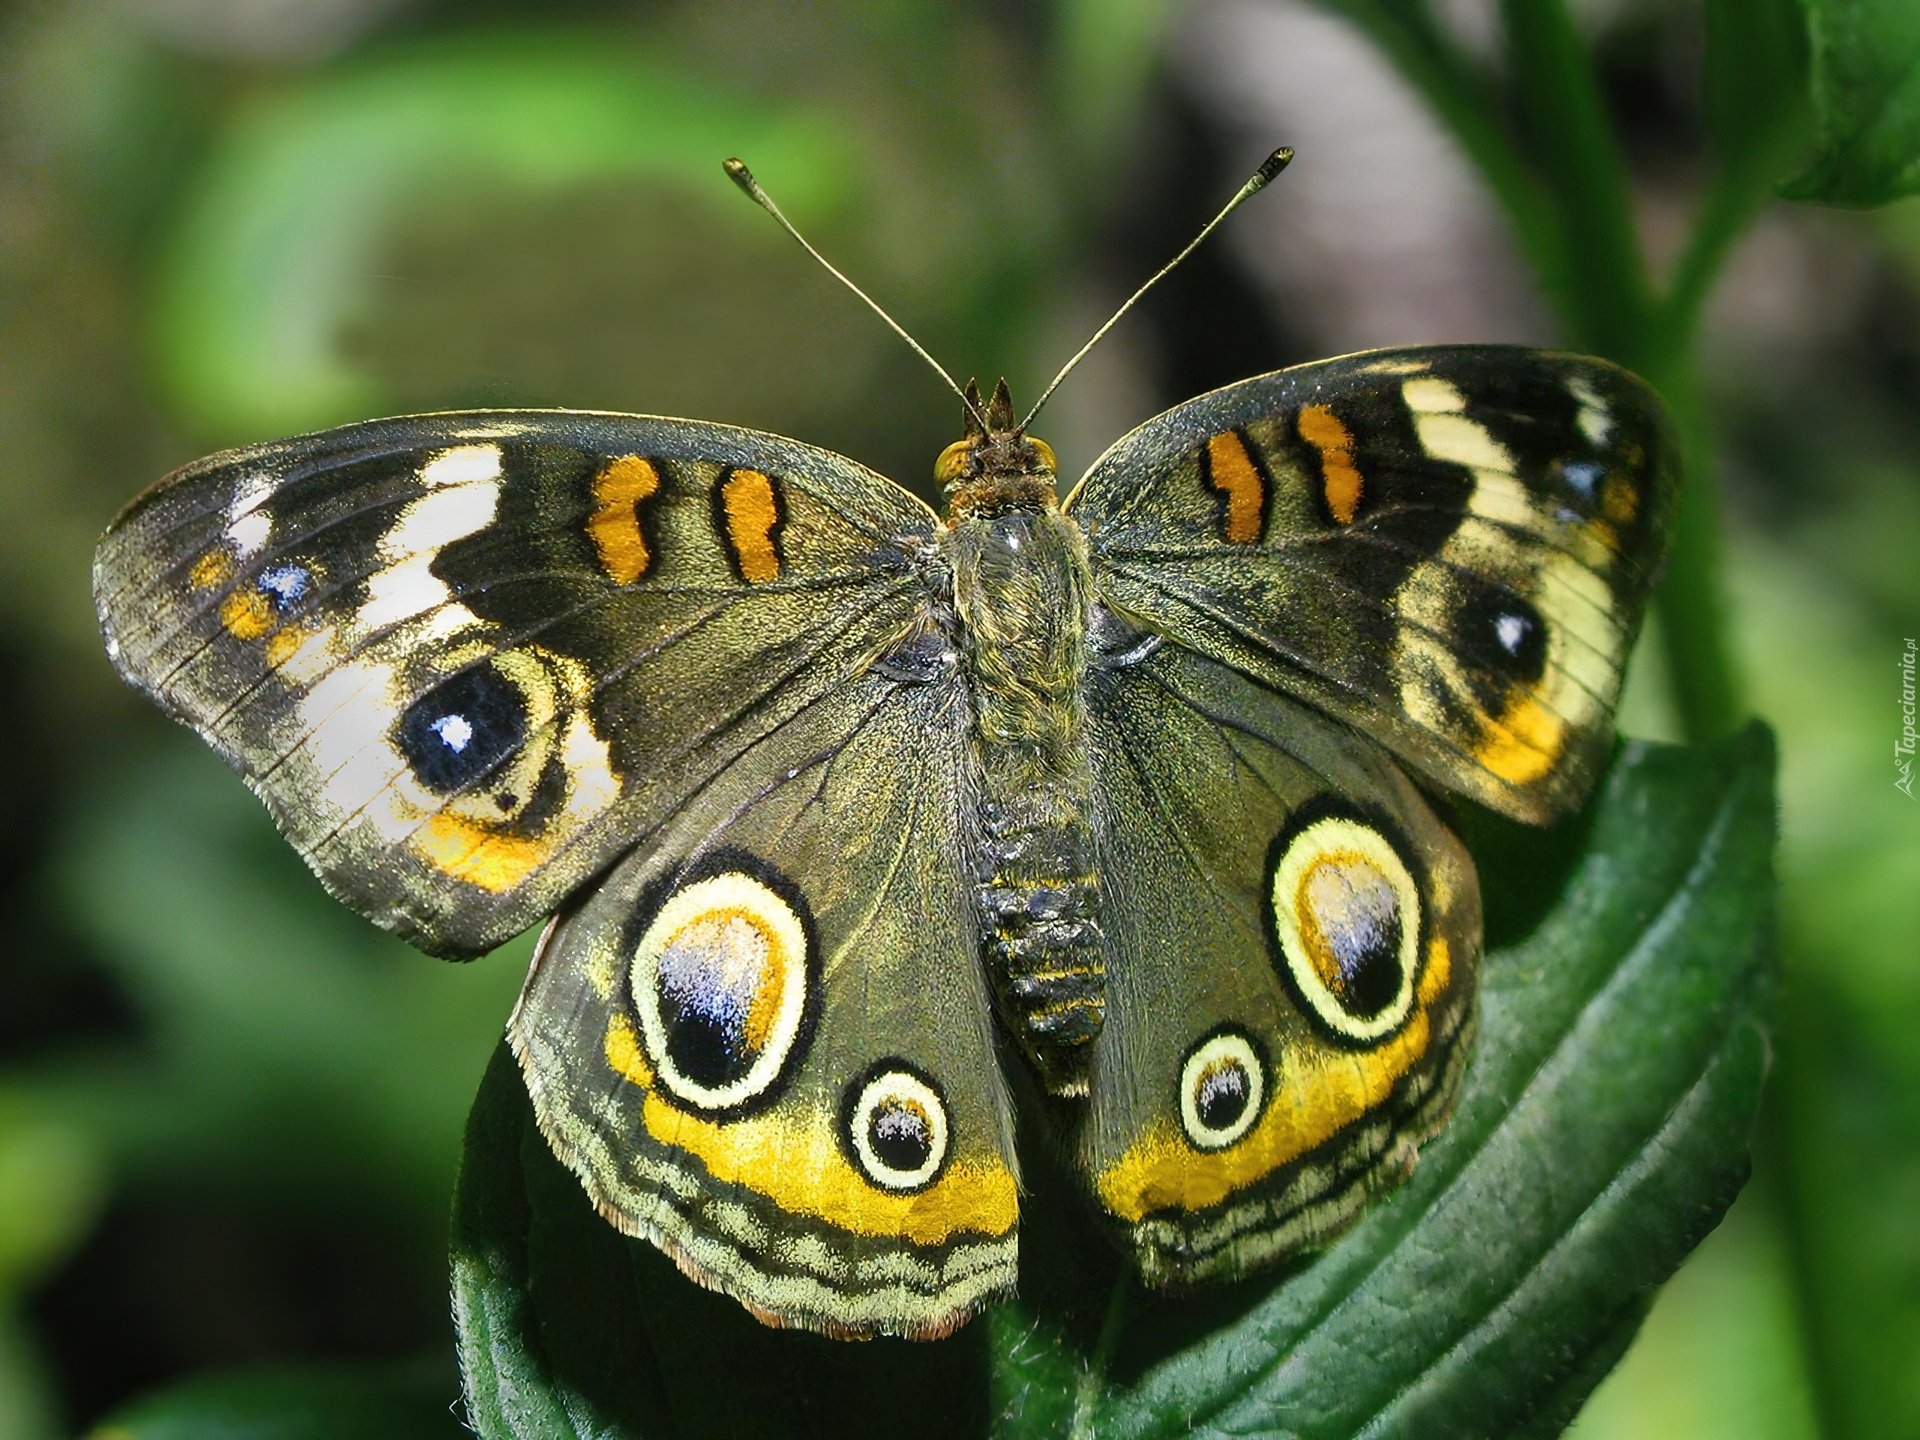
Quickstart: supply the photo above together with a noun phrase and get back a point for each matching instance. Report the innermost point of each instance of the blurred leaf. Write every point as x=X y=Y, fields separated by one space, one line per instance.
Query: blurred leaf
x=1866 y=100
x=288 y=1041
x=275 y=245
x=1720 y=1356
x=1825 y=666
x=52 y=1185
x=309 y=1403
x=1108 y=52
x=1603 y=1130
x=1756 y=76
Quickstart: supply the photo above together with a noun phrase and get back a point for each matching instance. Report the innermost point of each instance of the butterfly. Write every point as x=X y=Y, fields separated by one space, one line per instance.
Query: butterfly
x=845 y=811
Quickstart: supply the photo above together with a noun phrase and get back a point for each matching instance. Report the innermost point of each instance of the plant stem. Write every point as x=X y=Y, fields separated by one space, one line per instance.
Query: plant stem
x=1691 y=602
x=1563 y=183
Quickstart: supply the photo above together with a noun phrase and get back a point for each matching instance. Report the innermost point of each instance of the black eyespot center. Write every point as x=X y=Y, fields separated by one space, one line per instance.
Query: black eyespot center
x=1503 y=634
x=462 y=728
x=896 y=1128
x=1223 y=1093
x=1365 y=948
x=901 y=1134
x=1223 y=1085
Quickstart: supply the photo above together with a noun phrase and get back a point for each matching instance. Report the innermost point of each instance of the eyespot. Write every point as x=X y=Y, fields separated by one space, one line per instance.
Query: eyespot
x=895 y=1123
x=1503 y=634
x=1346 y=916
x=720 y=981
x=462 y=728
x=1223 y=1084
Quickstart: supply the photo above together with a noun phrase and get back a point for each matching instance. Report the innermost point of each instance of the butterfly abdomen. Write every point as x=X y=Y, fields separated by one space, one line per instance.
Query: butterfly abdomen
x=1020 y=594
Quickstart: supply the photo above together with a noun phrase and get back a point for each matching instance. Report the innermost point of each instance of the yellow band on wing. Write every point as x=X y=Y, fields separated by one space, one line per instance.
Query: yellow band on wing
x=1314 y=1097
x=795 y=1161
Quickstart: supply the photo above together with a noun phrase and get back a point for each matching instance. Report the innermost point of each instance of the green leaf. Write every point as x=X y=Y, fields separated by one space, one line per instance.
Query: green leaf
x=1866 y=100
x=305 y=1403
x=277 y=242
x=1603 y=1131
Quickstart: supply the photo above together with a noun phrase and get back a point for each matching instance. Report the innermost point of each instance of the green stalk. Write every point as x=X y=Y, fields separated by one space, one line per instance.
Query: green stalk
x=1557 y=170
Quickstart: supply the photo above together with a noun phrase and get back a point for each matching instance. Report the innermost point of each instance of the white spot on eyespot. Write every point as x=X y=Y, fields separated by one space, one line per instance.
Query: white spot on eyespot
x=1511 y=630
x=455 y=730
x=462 y=465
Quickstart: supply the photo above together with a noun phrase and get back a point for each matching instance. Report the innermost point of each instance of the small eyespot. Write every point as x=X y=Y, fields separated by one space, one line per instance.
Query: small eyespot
x=896 y=1126
x=1503 y=634
x=1346 y=917
x=720 y=982
x=1222 y=1087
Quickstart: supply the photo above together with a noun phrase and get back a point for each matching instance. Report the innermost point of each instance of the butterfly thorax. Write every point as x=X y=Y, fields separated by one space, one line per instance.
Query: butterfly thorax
x=1021 y=593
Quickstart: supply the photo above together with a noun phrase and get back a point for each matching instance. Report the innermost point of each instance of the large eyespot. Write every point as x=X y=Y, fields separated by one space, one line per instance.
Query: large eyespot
x=463 y=727
x=720 y=981
x=895 y=1123
x=1346 y=915
x=1223 y=1084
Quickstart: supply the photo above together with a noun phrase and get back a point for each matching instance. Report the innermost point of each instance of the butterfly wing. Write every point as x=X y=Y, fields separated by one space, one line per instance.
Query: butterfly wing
x=765 y=1042
x=1449 y=548
x=467 y=659
x=1292 y=940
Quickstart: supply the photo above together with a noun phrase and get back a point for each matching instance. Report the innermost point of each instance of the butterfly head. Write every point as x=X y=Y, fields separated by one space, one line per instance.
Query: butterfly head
x=996 y=467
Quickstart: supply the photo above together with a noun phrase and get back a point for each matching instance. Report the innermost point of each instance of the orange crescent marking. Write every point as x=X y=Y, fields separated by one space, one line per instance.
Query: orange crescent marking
x=615 y=526
x=1232 y=472
x=1339 y=476
x=752 y=511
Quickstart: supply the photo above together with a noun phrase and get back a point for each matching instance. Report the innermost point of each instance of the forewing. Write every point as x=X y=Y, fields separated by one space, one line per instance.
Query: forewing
x=466 y=659
x=1449 y=547
x=1292 y=939
x=765 y=1042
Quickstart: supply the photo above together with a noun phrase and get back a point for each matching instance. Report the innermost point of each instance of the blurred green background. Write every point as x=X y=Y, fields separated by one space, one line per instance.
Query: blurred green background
x=230 y=1111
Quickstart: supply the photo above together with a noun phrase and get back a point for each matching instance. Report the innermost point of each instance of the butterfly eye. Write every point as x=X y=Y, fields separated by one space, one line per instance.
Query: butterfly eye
x=1045 y=453
x=1222 y=1085
x=1346 y=915
x=720 y=981
x=896 y=1126
x=951 y=467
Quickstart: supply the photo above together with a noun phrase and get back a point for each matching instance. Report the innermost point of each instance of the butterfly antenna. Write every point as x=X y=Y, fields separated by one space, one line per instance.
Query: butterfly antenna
x=1270 y=167
x=738 y=172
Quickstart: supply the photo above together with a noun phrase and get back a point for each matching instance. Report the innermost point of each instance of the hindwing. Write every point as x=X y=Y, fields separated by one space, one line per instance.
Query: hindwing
x=1293 y=940
x=1449 y=548
x=467 y=659
x=765 y=1043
